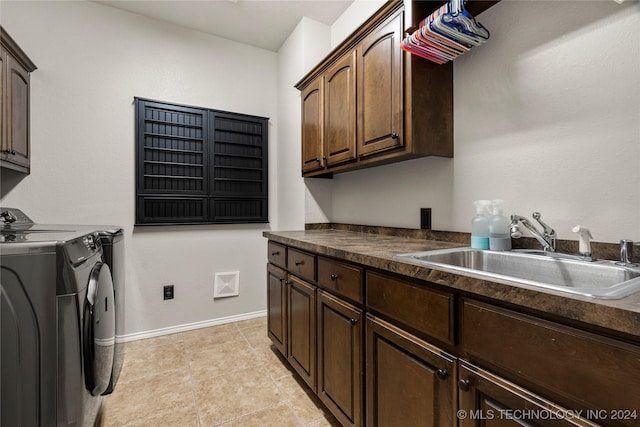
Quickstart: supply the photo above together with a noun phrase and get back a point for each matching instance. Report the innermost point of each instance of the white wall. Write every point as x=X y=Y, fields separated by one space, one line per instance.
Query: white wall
x=92 y=60
x=303 y=49
x=547 y=117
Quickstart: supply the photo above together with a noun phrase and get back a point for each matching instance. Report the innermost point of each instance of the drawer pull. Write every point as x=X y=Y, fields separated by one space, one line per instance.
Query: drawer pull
x=275 y=253
x=464 y=385
x=334 y=277
x=353 y=321
x=299 y=263
x=442 y=374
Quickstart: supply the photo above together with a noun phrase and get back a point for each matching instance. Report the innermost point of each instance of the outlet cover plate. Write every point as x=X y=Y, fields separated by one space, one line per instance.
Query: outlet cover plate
x=226 y=284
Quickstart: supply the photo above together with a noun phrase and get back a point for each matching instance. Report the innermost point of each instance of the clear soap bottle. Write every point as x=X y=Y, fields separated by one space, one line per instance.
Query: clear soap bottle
x=480 y=225
x=499 y=237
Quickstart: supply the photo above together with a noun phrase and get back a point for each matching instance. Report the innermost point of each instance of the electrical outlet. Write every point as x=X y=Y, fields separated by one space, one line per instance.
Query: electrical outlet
x=168 y=292
x=425 y=218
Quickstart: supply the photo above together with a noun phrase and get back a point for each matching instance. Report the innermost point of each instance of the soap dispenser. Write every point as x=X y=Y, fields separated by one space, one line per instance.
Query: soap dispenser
x=480 y=225
x=499 y=237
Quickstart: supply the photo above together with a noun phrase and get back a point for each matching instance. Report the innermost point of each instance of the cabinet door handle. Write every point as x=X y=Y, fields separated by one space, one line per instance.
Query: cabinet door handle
x=275 y=253
x=297 y=263
x=464 y=385
x=334 y=277
x=353 y=321
x=13 y=152
x=442 y=374
x=394 y=135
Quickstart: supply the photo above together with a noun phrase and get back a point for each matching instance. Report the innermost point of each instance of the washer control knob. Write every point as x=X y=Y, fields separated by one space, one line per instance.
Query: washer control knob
x=90 y=241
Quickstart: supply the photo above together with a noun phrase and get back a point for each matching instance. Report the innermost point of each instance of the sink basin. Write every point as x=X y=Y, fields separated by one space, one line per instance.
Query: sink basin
x=597 y=279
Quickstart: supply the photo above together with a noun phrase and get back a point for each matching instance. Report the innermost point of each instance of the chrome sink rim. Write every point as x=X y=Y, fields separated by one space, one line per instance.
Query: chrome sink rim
x=618 y=290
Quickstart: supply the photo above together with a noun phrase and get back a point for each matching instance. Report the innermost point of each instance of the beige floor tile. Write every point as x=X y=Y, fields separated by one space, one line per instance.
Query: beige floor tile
x=256 y=336
x=186 y=416
x=221 y=359
x=304 y=402
x=251 y=323
x=328 y=421
x=274 y=362
x=153 y=360
x=280 y=415
x=201 y=339
x=308 y=407
x=233 y=395
x=151 y=342
x=292 y=386
x=230 y=373
x=149 y=396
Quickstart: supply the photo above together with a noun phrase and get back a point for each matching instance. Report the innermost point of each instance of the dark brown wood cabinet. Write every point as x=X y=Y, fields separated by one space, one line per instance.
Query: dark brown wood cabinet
x=403 y=104
x=340 y=358
x=15 y=69
x=488 y=400
x=277 y=296
x=380 y=85
x=421 y=354
x=302 y=329
x=574 y=368
x=340 y=111
x=409 y=381
x=313 y=126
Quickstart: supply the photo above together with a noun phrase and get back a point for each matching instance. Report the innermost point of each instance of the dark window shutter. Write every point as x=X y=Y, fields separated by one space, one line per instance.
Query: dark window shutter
x=198 y=165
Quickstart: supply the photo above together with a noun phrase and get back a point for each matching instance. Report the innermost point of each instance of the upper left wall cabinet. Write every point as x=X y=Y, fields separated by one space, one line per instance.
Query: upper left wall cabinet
x=15 y=69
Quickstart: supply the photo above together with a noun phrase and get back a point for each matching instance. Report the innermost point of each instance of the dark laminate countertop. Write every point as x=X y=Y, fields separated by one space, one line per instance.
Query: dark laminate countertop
x=376 y=250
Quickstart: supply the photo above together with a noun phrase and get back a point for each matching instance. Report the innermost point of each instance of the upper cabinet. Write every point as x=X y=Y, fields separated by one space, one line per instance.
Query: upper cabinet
x=370 y=103
x=15 y=68
x=380 y=121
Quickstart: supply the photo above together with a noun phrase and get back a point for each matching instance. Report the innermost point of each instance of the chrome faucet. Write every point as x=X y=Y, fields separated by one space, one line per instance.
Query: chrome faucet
x=547 y=237
x=626 y=253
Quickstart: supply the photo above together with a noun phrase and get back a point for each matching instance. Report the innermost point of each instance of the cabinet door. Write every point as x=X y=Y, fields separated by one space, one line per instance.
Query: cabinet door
x=409 y=382
x=488 y=400
x=340 y=110
x=380 y=123
x=340 y=373
x=17 y=112
x=302 y=329
x=312 y=126
x=3 y=138
x=277 y=307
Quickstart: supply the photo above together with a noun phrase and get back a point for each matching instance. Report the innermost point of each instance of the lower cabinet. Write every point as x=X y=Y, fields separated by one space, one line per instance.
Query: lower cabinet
x=277 y=307
x=501 y=367
x=302 y=329
x=340 y=345
x=488 y=400
x=409 y=381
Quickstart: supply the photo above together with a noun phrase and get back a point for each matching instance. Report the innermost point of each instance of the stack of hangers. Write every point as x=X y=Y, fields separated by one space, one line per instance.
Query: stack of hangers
x=447 y=33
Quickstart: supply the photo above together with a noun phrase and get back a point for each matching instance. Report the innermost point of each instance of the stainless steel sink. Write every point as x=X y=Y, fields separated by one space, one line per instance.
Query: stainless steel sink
x=597 y=279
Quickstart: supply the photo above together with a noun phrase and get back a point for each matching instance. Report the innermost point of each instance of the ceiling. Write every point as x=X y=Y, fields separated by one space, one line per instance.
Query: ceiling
x=262 y=23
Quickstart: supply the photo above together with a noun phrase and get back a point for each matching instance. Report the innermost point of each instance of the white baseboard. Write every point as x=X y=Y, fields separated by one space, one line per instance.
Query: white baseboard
x=190 y=326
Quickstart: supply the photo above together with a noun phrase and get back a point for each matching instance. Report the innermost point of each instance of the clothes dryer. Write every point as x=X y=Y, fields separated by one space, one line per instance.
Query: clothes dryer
x=58 y=325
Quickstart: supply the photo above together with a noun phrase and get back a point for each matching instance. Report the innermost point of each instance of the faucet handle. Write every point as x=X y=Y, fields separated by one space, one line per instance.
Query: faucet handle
x=626 y=252
x=548 y=231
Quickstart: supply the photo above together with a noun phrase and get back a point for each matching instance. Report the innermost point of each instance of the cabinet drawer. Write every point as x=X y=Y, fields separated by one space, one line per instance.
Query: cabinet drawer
x=426 y=310
x=301 y=264
x=577 y=369
x=340 y=278
x=277 y=254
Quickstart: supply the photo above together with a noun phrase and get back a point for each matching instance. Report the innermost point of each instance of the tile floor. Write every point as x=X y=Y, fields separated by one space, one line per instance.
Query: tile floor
x=227 y=375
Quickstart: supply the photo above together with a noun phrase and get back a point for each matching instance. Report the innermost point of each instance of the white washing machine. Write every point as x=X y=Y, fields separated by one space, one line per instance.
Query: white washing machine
x=58 y=320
